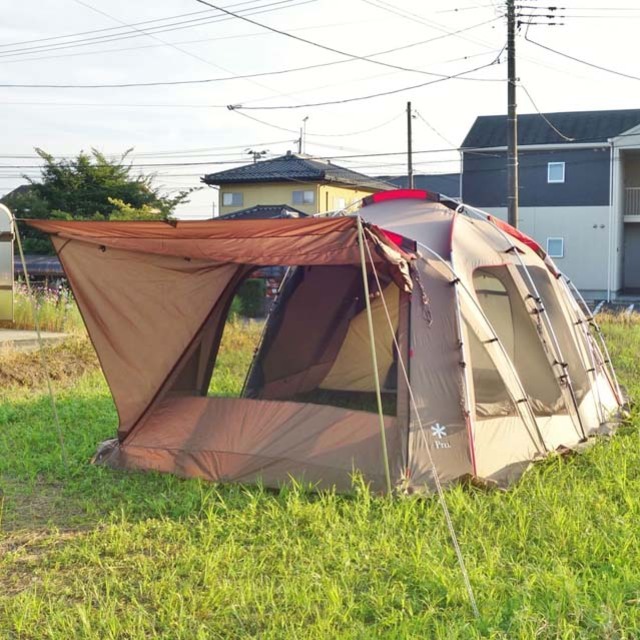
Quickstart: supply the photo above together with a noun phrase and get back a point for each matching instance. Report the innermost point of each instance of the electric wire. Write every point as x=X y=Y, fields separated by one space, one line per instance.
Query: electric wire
x=290 y=35
x=136 y=33
x=581 y=61
x=453 y=76
x=236 y=77
x=544 y=117
x=180 y=49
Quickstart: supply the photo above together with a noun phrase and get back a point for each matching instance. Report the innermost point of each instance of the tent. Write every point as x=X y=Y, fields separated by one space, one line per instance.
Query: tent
x=416 y=342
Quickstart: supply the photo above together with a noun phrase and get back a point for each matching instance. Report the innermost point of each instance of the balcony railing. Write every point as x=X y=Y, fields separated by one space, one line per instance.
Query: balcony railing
x=632 y=201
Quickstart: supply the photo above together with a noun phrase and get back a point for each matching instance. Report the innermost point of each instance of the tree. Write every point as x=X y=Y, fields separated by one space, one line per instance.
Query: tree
x=88 y=187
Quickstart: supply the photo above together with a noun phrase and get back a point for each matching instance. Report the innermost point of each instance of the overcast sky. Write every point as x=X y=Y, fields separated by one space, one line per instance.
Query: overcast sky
x=85 y=42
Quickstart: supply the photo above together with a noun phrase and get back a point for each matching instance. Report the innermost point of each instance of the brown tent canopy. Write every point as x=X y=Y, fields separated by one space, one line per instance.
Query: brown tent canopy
x=484 y=361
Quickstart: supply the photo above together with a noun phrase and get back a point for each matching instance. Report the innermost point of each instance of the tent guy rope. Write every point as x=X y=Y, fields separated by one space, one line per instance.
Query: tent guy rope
x=434 y=472
x=43 y=357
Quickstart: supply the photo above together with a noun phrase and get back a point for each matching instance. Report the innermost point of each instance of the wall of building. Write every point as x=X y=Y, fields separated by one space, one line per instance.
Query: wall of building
x=586 y=240
x=484 y=179
x=268 y=193
x=332 y=195
x=631 y=162
x=326 y=195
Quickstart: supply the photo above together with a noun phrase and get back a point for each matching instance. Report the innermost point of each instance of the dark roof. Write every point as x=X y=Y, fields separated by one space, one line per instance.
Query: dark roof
x=39 y=265
x=263 y=211
x=582 y=126
x=294 y=168
x=447 y=184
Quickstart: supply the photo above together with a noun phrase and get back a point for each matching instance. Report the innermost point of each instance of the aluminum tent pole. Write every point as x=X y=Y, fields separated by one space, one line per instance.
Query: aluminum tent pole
x=374 y=357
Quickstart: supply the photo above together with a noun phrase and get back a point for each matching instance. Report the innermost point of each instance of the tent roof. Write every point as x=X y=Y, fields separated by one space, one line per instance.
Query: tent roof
x=288 y=242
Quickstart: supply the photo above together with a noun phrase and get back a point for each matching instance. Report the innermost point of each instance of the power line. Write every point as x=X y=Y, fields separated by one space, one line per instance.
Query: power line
x=454 y=76
x=581 y=61
x=198 y=41
x=104 y=29
x=414 y=17
x=288 y=34
x=323 y=135
x=433 y=128
x=551 y=125
x=135 y=33
x=180 y=49
x=246 y=76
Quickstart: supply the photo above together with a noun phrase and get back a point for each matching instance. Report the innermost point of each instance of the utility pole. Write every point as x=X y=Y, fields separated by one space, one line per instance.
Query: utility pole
x=304 y=134
x=409 y=147
x=512 y=118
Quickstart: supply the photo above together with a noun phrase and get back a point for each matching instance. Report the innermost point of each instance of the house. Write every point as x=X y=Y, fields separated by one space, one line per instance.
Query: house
x=264 y=212
x=579 y=190
x=447 y=184
x=310 y=186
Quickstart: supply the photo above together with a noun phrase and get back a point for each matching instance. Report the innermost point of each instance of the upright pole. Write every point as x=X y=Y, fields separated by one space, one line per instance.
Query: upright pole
x=512 y=118
x=374 y=357
x=36 y=323
x=300 y=141
x=409 y=148
x=303 y=135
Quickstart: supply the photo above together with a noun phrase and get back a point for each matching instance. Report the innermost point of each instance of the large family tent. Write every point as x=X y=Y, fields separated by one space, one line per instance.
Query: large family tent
x=415 y=337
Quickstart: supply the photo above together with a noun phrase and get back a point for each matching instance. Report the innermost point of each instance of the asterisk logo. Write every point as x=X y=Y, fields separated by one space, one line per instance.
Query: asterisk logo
x=438 y=430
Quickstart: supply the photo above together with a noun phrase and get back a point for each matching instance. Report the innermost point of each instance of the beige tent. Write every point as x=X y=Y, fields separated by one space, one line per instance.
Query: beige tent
x=483 y=360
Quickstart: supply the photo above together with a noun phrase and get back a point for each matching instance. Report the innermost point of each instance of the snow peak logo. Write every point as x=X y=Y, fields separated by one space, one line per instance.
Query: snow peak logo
x=438 y=432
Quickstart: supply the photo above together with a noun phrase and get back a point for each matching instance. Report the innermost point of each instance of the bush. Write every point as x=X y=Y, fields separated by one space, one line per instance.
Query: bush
x=252 y=295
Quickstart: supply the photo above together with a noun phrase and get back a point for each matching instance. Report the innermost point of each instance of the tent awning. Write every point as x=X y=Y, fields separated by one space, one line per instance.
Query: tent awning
x=305 y=242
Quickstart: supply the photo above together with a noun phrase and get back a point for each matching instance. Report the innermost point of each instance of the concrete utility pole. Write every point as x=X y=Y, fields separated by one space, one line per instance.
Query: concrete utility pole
x=409 y=147
x=512 y=117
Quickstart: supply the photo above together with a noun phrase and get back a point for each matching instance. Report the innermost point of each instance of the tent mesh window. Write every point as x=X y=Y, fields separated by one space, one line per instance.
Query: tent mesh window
x=316 y=348
x=507 y=313
x=562 y=327
x=491 y=396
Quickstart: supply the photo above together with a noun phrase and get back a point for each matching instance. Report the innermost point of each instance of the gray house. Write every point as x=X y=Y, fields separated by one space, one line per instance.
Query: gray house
x=579 y=190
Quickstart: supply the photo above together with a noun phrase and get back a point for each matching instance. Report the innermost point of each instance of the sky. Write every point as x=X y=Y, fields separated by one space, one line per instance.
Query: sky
x=179 y=132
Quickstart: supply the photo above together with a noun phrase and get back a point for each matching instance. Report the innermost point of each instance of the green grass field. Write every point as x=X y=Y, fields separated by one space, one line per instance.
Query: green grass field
x=87 y=552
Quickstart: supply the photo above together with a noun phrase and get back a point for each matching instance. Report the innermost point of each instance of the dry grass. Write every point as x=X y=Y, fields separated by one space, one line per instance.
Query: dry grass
x=66 y=361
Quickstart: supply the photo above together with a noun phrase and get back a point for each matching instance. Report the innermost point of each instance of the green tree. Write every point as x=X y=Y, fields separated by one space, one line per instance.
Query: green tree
x=88 y=187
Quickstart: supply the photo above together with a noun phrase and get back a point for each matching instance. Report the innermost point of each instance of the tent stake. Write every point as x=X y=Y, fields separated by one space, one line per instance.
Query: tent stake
x=374 y=357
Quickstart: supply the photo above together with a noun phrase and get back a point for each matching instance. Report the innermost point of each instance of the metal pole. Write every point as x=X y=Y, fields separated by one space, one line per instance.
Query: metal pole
x=409 y=148
x=374 y=357
x=512 y=118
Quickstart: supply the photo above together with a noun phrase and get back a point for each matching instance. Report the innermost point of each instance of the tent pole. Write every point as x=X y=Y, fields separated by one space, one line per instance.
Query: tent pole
x=434 y=471
x=374 y=357
x=43 y=357
x=478 y=308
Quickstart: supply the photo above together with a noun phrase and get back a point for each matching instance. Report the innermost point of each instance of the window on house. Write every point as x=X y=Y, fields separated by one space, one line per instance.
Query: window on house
x=232 y=199
x=304 y=197
x=339 y=203
x=555 y=247
x=555 y=172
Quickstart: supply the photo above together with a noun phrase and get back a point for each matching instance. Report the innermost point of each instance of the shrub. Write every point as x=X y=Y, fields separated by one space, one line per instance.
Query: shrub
x=252 y=295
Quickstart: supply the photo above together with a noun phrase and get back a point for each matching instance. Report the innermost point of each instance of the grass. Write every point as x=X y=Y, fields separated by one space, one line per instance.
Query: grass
x=57 y=311
x=87 y=552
